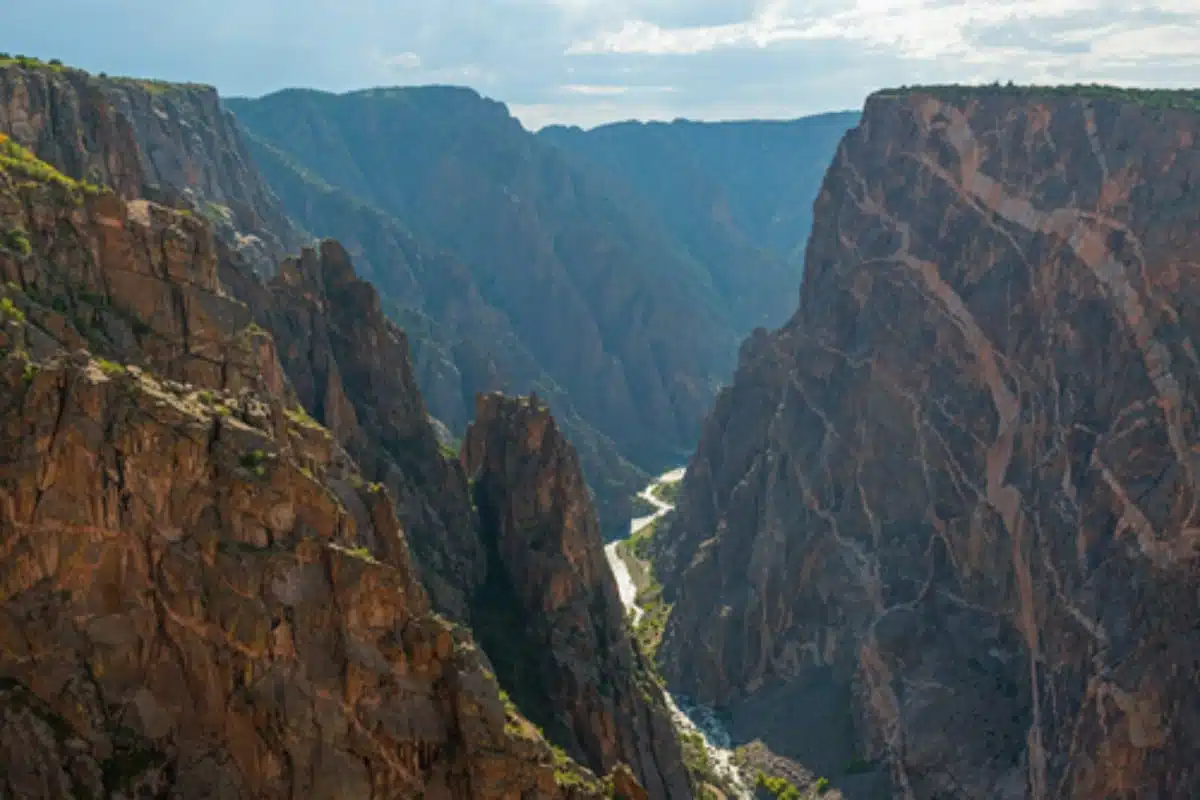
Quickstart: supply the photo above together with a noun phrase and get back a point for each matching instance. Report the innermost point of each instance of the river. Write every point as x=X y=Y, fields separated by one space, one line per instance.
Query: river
x=698 y=719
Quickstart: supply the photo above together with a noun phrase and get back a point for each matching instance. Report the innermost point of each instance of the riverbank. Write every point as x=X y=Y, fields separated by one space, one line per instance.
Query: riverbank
x=708 y=745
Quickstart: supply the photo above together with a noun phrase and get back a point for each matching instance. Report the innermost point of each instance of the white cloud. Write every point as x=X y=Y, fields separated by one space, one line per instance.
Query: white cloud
x=610 y=90
x=916 y=29
x=407 y=60
x=589 y=61
x=577 y=88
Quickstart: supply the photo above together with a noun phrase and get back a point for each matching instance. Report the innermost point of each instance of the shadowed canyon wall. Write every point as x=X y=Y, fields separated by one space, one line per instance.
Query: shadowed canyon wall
x=948 y=513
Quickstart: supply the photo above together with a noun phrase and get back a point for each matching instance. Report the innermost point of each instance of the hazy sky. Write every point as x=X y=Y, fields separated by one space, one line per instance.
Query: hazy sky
x=591 y=61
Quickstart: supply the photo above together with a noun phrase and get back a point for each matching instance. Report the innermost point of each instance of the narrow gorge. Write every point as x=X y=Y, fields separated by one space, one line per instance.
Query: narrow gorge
x=323 y=419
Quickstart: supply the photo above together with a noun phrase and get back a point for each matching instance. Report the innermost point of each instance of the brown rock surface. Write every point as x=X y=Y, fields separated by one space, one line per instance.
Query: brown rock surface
x=189 y=604
x=149 y=139
x=946 y=518
x=351 y=370
x=549 y=615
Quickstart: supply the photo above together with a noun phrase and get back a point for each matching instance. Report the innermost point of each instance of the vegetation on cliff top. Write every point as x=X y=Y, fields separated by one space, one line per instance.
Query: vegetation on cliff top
x=150 y=85
x=19 y=162
x=1184 y=99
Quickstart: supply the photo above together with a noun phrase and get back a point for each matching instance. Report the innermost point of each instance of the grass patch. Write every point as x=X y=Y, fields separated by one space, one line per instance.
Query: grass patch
x=361 y=553
x=569 y=775
x=449 y=451
x=668 y=492
x=110 y=368
x=16 y=160
x=302 y=418
x=635 y=552
x=29 y=62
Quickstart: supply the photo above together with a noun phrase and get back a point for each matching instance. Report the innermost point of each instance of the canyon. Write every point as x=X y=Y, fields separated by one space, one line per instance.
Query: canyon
x=238 y=560
x=323 y=419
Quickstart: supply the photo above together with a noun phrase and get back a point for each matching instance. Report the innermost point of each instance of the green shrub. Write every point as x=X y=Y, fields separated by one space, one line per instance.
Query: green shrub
x=9 y=310
x=779 y=788
x=254 y=461
x=822 y=785
x=16 y=159
x=109 y=367
x=16 y=241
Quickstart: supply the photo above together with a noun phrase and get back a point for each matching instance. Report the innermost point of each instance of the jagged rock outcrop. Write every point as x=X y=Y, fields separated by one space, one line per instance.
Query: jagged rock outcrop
x=350 y=368
x=166 y=141
x=946 y=518
x=550 y=616
x=200 y=595
x=461 y=345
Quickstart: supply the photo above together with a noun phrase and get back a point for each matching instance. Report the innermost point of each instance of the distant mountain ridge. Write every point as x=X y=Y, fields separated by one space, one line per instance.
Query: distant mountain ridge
x=738 y=196
x=521 y=262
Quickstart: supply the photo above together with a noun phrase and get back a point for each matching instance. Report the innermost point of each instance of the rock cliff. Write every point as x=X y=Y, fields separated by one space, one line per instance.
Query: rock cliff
x=350 y=368
x=164 y=141
x=461 y=344
x=946 y=518
x=549 y=615
x=613 y=315
x=737 y=196
x=203 y=594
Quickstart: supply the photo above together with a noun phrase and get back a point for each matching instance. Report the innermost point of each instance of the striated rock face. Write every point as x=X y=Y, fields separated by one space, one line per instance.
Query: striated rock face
x=566 y=654
x=351 y=371
x=149 y=139
x=200 y=595
x=460 y=344
x=947 y=516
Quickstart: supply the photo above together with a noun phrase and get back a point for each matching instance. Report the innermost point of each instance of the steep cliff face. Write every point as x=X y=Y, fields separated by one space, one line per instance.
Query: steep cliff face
x=632 y=332
x=201 y=594
x=148 y=139
x=461 y=344
x=549 y=615
x=948 y=514
x=350 y=368
x=737 y=196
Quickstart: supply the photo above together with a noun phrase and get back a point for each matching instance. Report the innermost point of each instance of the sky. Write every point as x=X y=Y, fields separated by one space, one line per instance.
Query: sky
x=587 y=62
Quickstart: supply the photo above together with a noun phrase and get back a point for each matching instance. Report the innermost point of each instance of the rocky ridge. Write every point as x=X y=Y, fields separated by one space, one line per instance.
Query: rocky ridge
x=169 y=142
x=950 y=509
x=204 y=592
x=550 y=616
